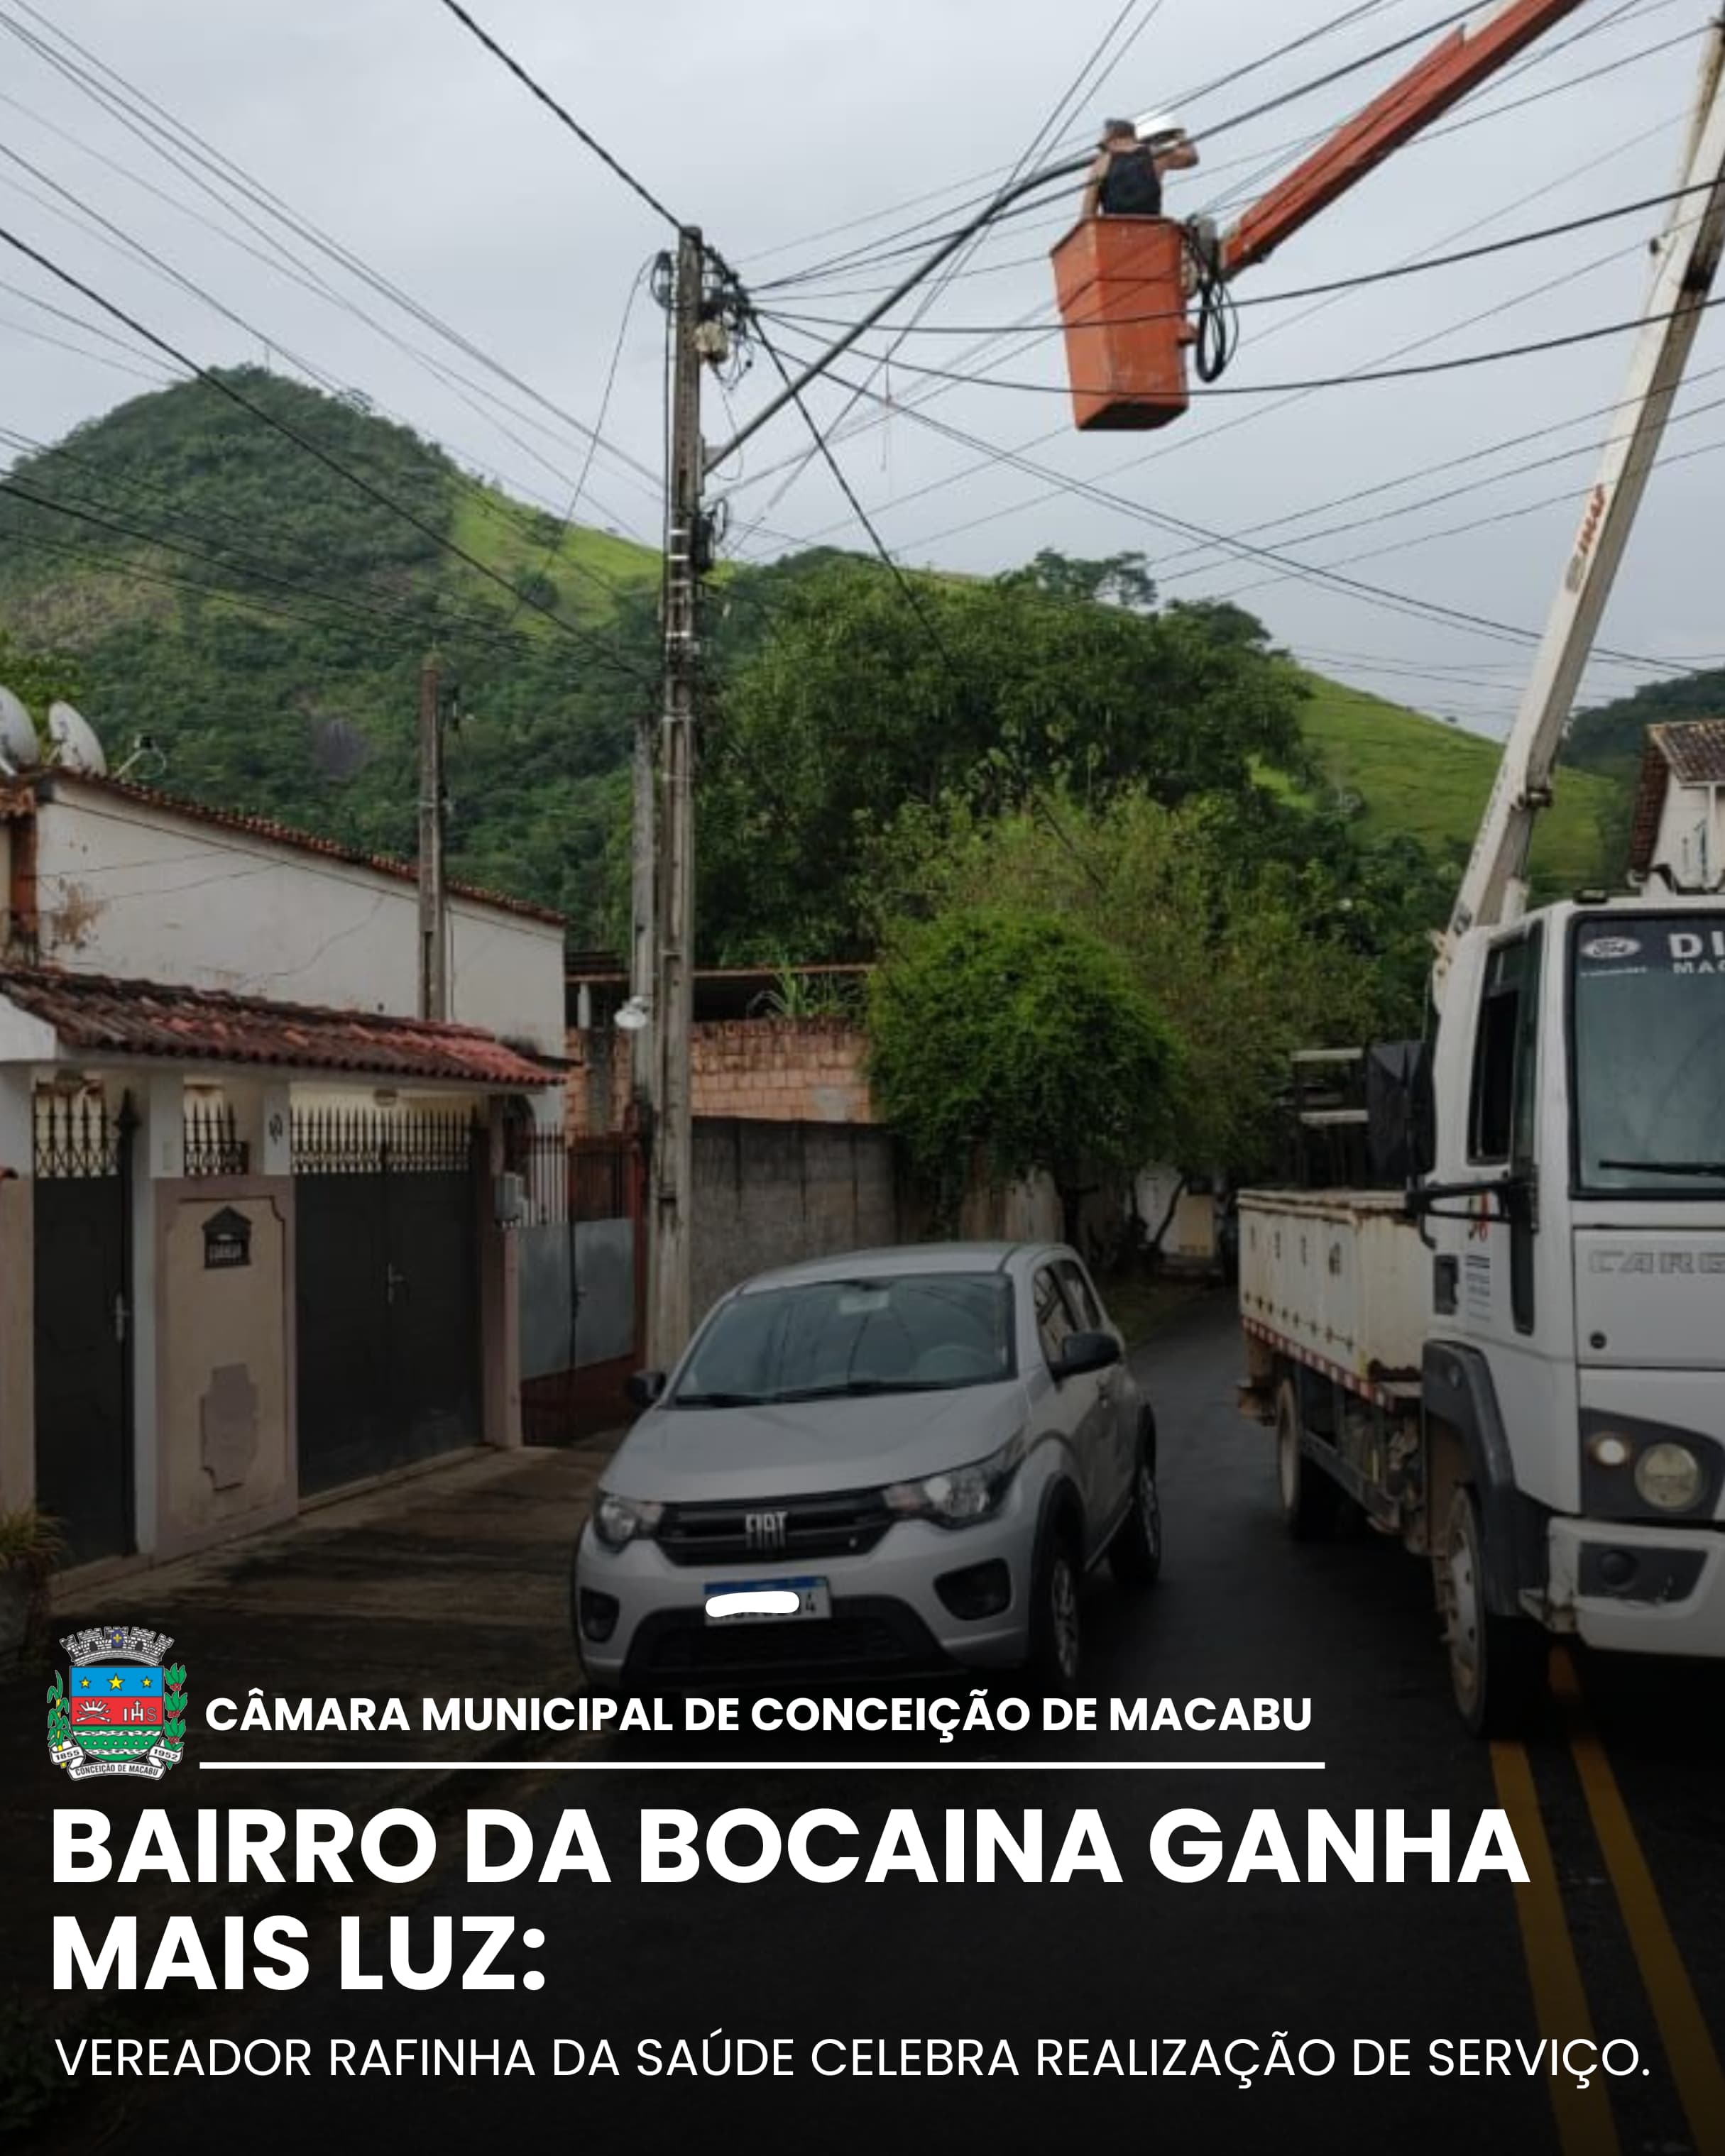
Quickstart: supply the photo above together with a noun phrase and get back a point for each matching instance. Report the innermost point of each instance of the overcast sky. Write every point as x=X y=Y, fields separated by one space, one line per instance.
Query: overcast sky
x=770 y=123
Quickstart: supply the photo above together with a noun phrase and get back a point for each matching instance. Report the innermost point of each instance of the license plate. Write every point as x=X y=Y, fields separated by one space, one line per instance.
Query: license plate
x=813 y=1599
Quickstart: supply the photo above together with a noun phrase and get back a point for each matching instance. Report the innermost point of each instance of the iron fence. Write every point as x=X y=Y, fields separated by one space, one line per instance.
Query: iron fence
x=77 y=1134
x=212 y=1143
x=566 y=1179
x=338 y=1140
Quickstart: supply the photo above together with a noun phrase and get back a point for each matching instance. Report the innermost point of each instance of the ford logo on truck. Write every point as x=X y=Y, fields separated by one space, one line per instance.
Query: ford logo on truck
x=1611 y=946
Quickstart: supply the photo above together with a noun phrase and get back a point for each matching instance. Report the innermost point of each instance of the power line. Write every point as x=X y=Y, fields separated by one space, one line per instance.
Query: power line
x=1446 y=465
x=587 y=140
x=1418 y=367
x=931 y=298
x=604 y=406
x=1358 y=282
x=238 y=561
x=226 y=388
x=1182 y=97
x=1205 y=135
x=912 y=598
x=1396 y=601
x=1195 y=437
x=83 y=351
x=156 y=127
x=1455 y=492
x=1036 y=337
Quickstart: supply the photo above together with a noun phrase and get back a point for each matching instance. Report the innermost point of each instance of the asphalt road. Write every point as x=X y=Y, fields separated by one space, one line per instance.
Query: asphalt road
x=1617 y=1806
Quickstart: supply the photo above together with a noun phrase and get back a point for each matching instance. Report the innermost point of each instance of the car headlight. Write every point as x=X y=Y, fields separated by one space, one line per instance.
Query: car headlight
x=960 y=1496
x=1669 y=1475
x=620 y=1521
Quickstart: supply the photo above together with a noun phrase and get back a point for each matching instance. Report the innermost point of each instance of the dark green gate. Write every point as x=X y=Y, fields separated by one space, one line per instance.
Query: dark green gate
x=386 y=1213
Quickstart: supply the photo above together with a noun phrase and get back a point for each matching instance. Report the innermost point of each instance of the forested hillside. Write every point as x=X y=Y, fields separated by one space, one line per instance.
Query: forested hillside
x=258 y=599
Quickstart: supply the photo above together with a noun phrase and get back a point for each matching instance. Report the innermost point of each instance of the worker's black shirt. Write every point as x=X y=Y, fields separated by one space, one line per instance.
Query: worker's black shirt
x=1132 y=187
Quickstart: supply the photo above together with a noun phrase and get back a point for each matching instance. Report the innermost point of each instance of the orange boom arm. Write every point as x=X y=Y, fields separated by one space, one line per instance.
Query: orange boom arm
x=1465 y=58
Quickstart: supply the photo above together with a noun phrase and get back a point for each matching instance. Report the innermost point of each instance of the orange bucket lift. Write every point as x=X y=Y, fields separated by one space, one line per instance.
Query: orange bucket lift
x=1121 y=282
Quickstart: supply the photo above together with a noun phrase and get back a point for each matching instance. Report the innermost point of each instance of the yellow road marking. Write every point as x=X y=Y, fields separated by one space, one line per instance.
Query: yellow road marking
x=1682 y=2028
x=1585 y=2125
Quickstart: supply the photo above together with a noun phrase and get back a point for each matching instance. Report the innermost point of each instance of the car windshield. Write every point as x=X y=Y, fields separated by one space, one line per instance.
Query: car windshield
x=837 y=1339
x=1649 y=1019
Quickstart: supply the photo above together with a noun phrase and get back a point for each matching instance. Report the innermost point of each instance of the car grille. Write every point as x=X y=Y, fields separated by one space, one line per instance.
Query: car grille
x=864 y=1635
x=846 y=1525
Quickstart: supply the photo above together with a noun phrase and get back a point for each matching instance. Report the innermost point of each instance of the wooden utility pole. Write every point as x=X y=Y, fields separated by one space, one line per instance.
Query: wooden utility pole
x=672 y=1009
x=433 y=956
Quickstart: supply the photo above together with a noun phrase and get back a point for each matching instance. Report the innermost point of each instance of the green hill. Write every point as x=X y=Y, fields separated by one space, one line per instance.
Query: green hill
x=1421 y=775
x=300 y=700
x=264 y=620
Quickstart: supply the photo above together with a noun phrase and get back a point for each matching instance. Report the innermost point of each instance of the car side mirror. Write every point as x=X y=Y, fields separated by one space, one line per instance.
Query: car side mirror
x=644 y=1386
x=1082 y=1353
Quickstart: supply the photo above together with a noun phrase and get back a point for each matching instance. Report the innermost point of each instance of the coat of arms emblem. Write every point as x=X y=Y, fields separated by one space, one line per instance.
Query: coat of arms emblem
x=122 y=1708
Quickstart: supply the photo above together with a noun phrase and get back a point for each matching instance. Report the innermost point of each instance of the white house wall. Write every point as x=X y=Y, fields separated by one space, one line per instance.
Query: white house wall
x=126 y=888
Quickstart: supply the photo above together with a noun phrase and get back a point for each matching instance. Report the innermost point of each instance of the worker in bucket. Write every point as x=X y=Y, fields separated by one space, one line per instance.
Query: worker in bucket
x=1126 y=178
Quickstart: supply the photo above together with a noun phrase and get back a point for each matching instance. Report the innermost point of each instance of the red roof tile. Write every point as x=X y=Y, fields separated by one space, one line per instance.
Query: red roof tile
x=1690 y=751
x=282 y=835
x=95 y=1014
x=1695 y=750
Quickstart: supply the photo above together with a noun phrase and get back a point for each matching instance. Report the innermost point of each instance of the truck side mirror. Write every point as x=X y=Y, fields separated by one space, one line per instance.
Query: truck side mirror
x=643 y=1386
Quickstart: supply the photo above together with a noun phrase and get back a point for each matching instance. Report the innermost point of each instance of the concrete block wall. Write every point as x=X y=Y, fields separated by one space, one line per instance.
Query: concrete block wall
x=767 y=1194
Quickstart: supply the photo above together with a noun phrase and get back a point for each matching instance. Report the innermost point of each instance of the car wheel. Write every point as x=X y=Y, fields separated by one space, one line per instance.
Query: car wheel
x=1310 y=1501
x=1497 y=1665
x=1057 y=1634
x=1135 y=1554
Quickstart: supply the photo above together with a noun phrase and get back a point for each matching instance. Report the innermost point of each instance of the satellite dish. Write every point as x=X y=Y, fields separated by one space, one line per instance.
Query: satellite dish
x=19 y=749
x=76 y=747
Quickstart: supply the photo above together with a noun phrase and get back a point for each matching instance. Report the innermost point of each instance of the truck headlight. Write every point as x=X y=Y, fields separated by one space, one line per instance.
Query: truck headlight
x=620 y=1521
x=1669 y=1475
x=960 y=1496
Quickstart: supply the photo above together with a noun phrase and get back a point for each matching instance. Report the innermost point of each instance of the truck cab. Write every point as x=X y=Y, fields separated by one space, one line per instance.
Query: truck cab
x=1574 y=1371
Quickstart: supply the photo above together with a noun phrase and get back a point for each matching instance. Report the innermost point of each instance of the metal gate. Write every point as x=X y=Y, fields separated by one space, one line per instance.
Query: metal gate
x=83 y=1319
x=579 y=1282
x=386 y=1226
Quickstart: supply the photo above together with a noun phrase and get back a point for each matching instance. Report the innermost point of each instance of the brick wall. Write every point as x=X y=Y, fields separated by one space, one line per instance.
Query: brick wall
x=769 y=1071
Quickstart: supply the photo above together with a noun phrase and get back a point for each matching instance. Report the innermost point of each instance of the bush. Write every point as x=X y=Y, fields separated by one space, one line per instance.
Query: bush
x=1023 y=1037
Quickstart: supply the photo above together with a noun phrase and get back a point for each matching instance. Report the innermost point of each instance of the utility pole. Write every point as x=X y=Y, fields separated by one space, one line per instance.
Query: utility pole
x=672 y=1007
x=434 y=968
x=643 y=928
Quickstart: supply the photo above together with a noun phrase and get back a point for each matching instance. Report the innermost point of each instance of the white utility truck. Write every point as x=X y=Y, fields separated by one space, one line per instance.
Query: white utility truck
x=1515 y=1361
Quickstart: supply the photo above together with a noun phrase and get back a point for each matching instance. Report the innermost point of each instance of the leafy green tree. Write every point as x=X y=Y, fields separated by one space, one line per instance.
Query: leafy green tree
x=855 y=703
x=1244 y=955
x=1115 y=580
x=37 y=678
x=1016 y=1038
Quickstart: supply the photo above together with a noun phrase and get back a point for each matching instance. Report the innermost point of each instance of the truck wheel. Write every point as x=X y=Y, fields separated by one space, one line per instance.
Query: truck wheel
x=1497 y=1664
x=1310 y=1501
x=1135 y=1555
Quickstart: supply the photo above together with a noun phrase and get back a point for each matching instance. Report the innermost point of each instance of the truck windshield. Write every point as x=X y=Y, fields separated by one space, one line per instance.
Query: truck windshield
x=918 y=1332
x=1649 y=1018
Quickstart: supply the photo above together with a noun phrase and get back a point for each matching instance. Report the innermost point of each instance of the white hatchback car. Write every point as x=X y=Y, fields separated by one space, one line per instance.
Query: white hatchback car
x=885 y=1462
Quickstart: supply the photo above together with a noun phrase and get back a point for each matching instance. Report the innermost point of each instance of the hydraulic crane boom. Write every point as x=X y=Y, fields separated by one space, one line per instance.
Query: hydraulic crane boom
x=1465 y=59
x=1494 y=888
